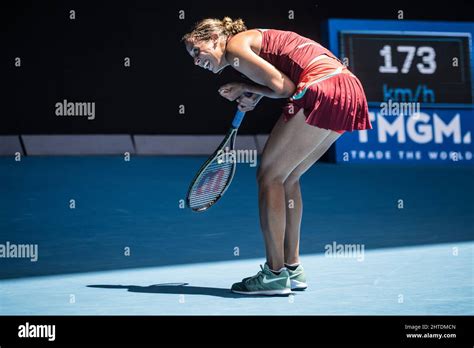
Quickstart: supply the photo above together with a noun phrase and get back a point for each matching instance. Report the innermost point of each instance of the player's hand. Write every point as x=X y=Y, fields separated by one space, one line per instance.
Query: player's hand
x=248 y=101
x=232 y=91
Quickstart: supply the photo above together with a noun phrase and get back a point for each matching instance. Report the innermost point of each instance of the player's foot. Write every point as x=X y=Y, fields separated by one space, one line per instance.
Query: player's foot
x=264 y=282
x=297 y=278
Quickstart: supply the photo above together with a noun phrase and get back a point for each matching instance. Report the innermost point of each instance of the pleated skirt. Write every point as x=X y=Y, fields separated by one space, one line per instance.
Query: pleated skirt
x=337 y=102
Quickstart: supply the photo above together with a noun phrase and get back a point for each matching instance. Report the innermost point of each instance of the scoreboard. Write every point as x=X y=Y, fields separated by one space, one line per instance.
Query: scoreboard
x=431 y=69
x=418 y=79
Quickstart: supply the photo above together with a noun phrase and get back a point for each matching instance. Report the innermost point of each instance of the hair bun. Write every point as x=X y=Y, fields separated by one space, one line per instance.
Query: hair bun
x=232 y=27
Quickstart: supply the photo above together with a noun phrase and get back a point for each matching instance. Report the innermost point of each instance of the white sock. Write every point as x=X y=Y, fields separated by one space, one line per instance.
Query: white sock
x=280 y=270
x=293 y=264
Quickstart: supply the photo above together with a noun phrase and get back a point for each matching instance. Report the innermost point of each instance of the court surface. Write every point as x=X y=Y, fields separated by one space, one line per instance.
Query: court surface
x=129 y=248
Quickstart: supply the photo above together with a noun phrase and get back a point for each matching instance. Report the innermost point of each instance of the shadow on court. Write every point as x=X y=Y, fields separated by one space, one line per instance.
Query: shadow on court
x=179 y=289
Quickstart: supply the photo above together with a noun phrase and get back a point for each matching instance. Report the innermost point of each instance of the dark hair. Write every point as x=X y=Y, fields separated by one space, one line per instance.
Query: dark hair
x=203 y=29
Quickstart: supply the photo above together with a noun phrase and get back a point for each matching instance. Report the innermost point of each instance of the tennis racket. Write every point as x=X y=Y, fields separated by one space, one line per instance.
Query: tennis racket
x=215 y=175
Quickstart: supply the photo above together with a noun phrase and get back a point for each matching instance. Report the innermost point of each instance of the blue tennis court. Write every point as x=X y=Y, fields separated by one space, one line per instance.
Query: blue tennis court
x=113 y=238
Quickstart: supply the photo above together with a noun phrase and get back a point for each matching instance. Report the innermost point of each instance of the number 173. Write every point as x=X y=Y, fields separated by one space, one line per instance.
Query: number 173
x=427 y=54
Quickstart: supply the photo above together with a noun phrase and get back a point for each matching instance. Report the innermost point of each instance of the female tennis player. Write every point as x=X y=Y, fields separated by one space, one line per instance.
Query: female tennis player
x=324 y=100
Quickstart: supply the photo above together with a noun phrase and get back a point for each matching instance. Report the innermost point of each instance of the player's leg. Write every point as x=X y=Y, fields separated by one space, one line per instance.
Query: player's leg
x=294 y=212
x=288 y=145
x=294 y=204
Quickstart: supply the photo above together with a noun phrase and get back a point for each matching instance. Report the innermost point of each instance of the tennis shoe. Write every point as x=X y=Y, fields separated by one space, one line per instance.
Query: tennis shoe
x=264 y=282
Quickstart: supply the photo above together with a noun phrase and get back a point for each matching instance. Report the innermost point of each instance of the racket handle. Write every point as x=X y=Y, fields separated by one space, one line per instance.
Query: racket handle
x=239 y=116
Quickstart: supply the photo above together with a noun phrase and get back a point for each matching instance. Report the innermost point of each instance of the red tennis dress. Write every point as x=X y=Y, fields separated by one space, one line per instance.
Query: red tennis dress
x=330 y=95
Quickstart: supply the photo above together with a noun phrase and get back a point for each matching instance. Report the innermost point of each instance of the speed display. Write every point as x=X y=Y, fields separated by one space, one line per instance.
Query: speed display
x=428 y=68
x=418 y=78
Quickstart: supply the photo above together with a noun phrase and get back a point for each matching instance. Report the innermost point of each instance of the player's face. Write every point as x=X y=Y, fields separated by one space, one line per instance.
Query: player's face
x=207 y=54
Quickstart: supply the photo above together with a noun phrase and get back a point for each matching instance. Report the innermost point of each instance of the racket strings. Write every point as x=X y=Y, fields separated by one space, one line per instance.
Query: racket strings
x=211 y=184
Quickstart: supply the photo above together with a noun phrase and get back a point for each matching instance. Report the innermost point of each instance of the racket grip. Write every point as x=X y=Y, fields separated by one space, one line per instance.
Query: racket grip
x=239 y=116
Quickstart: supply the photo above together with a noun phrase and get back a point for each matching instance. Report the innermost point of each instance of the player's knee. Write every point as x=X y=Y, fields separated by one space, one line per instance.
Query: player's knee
x=268 y=176
x=292 y=180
